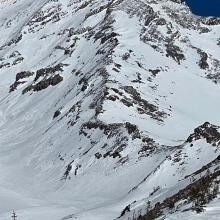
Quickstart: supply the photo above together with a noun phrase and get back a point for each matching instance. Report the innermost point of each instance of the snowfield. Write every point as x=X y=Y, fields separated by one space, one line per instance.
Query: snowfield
x=107 y=106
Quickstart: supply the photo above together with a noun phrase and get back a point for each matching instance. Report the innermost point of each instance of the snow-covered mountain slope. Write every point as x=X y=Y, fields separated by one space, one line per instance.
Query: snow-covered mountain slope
x=105 y=106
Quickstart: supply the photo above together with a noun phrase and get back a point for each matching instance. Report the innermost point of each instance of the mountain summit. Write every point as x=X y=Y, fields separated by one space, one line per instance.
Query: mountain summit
x=108 y=110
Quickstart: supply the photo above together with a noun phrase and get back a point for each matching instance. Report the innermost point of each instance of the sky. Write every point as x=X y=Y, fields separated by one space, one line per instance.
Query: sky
x=205 y=7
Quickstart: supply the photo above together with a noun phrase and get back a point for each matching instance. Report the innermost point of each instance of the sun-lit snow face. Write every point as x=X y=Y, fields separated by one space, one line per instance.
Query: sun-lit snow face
x=97 y=101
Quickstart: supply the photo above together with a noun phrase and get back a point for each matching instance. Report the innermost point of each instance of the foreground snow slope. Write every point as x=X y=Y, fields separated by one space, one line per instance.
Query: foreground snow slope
x=97 y=103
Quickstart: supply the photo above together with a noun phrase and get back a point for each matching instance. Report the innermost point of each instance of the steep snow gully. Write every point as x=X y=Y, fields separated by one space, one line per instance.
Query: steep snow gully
x=109 y=109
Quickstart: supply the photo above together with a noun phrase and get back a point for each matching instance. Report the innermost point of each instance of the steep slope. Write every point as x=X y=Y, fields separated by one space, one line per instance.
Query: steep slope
x=97 y=101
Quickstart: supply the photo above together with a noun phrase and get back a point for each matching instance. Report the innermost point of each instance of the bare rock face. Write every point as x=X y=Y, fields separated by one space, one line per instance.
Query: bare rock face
x=43 y=84
x=19 y=77
x=207 y=131
x=48 y=71
x=212 y=21
x=47 y=75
